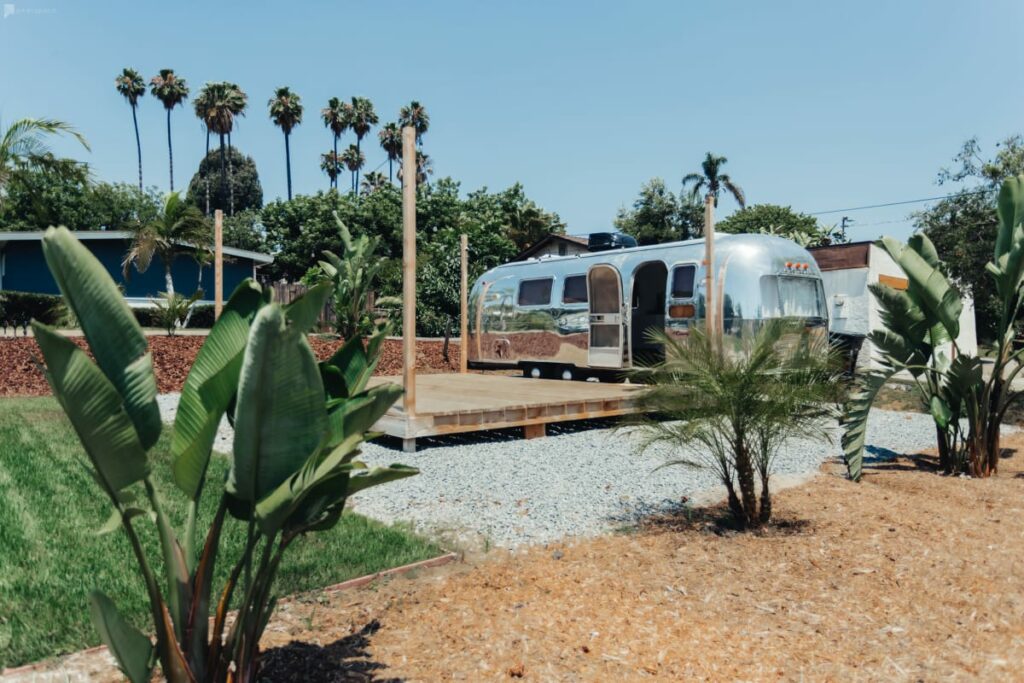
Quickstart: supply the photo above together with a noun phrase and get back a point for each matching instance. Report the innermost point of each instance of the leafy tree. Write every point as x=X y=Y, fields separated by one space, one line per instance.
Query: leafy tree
x=772 y=219
x=131 y=87
x=352 y=276
x=179 y=227
x=391 y=142
x=361 y=118
x=245 y=187
x=23 y=148
x=353 y=160
x=963 y=227
x=245 y=230
x=712 y=181
x=171 y=91
x=286 y=113
x=658 y=216
x=424 y=168
x=335 y=117
x=218 y=105
x=373 y=181
x=415 y=115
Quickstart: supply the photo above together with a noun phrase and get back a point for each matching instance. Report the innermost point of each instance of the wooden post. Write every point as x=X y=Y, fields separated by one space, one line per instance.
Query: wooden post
x=409 y=273
x=218 y=263
x=709 y=261
x=464 y=305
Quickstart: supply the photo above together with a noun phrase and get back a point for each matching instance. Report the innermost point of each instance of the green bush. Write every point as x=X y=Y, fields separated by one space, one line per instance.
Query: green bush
x=17 y=309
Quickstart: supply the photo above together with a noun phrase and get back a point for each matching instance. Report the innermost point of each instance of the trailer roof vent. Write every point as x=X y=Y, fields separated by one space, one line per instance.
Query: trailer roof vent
x=603 y=241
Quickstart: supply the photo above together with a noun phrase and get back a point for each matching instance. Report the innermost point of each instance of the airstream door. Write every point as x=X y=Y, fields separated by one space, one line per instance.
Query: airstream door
x=606 y=321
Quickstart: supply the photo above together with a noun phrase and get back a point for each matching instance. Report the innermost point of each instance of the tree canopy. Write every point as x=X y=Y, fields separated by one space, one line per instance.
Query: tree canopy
x=658 y=215
x=243 y=177
x=772 y=219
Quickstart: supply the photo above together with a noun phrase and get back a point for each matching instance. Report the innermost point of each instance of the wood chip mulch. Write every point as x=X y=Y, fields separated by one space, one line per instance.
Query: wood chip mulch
x=173 y=356
x=907 y=576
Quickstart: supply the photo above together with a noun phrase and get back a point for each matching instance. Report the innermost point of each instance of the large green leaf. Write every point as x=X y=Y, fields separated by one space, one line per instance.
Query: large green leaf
x=130 y=647
x=927 y=286
x=1010 y=208
x=304 y=312
x=347 y=372
x=115 y=338
x=210 y=386
x=358 y=414
x=855 y=419
x=280 y=416
x=95 y=410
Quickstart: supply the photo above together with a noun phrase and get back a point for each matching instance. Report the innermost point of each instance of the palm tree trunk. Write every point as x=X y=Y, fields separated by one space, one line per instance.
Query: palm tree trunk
x=334 y=162
x=355 y=183
x=288 y=164
x=207 y=179
x=391 y=175
x=231 y=178
x=138 y=144
x=223 y=169
x=170 y=149
x=168 y=280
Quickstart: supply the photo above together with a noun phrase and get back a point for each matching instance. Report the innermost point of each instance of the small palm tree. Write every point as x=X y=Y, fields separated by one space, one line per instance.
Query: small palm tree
x=131 y=86
x=362 y=118
x=424 y=168
x=286 y=113
x=23 y=146
x=179 y=226
x=171 y=91
x=713 y=181
x=353 y=160
x=415 y=115
x=391 y=142
x=373 y=181
x=732 y=404
x=330 y=163
x=336 y=117
x=218 y=105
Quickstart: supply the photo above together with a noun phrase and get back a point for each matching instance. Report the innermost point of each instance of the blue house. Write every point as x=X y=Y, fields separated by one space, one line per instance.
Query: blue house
x=23 y=267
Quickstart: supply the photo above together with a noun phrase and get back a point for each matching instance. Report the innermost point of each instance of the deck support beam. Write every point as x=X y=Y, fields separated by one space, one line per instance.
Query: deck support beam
x=535 y=431
x=408 y=445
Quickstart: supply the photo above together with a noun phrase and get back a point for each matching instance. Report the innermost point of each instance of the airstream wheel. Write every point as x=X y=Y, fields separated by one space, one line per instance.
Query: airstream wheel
x=534 y=371
x=566 y=374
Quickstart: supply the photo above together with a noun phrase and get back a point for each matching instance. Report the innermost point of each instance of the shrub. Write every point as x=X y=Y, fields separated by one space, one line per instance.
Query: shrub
x=18 y=309
x=352 y=276
x=171 y=310
x=738 y=402
x=298 y=427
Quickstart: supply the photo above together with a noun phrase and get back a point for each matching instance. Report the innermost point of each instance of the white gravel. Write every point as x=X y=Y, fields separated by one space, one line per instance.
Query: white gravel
x=582 y=479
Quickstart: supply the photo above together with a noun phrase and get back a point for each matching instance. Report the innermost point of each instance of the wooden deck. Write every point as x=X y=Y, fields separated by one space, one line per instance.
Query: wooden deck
x=453 y=403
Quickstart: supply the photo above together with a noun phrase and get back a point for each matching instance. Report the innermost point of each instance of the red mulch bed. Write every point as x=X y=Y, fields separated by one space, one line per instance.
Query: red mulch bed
x=173 y=356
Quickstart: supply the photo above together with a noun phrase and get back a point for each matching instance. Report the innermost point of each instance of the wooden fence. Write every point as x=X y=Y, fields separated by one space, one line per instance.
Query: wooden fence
x=287 y=292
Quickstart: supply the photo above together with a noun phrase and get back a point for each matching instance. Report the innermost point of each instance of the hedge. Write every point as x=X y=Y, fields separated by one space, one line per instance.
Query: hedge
x=18 y=309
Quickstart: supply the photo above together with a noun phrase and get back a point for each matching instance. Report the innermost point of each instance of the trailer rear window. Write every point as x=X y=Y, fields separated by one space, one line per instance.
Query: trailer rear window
x=575 y=290
x=535 y=292
x=682 y=281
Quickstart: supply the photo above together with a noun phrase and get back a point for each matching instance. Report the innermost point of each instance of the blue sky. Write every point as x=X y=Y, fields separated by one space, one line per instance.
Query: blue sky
x=817 y=105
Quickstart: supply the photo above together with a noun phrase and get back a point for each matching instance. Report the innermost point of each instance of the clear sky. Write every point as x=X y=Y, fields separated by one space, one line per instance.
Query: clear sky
x=819 y=105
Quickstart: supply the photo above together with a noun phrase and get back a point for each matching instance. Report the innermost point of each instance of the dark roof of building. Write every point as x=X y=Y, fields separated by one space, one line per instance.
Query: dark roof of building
x=37 y=235
x=550 y=238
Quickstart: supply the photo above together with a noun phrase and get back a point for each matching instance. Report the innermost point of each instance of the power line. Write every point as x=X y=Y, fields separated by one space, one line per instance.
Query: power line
x=908 y=201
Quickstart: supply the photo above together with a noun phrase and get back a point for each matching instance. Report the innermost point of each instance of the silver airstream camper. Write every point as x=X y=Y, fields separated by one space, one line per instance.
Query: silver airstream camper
x=573 y=317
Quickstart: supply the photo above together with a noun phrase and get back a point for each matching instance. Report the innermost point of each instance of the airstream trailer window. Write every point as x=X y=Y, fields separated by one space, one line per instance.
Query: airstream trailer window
x=792 y=297
x=682 y=281
x=535 y=292
x=574 y=291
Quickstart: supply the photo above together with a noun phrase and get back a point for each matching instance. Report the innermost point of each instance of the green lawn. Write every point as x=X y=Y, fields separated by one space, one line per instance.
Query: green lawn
x=51 y=556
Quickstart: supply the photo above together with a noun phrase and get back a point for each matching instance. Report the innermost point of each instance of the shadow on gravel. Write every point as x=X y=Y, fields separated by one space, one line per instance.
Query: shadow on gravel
x=496 y=435
x=344 y=660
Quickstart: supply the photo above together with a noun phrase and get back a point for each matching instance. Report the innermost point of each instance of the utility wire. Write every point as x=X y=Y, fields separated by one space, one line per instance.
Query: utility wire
x=908 y=201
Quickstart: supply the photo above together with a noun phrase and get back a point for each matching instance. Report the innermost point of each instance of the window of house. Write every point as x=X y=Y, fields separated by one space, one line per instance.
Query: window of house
x=575 y=290
x=535 y=292
x=682 y=281
x=562 y=249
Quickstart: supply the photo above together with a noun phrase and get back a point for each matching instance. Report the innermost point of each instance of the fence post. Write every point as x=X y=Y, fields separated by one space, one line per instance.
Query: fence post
x=464 y=304
x=409 y=274
x=218 y=263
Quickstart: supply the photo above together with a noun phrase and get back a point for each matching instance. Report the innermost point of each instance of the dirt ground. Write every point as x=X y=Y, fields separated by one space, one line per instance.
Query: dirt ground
x=907 y=576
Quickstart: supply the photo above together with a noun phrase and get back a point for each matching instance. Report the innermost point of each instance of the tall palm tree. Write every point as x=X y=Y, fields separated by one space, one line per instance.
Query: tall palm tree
x=330 y=163
x=713 y=181
x=23 y=146
x=373 y=181
x=179 y=227
x=201 y=105
x=238 y=103
x=415 y=115
x=336 y=117
x=171 y=91
x=286 y=113
x=391 y=142
x=219 y=104
x=353 y=160
x=363 y=117
x=131 y=86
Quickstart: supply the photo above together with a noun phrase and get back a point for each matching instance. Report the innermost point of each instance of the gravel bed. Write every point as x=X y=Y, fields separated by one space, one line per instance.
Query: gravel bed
x=583 y=479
